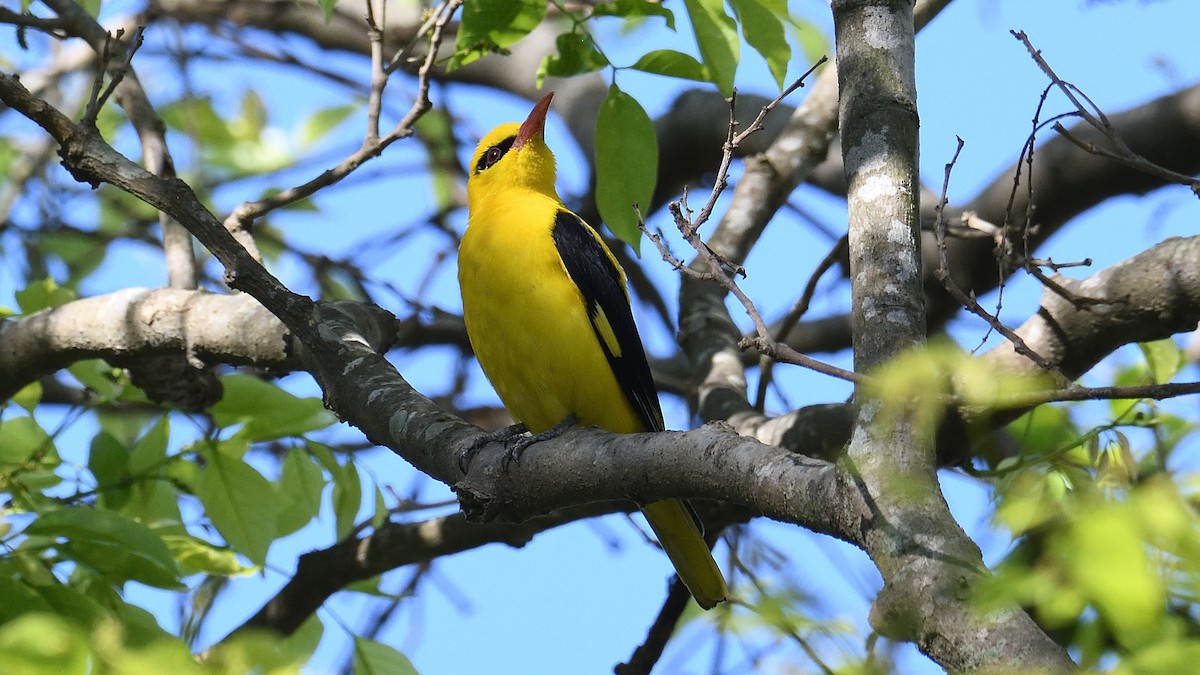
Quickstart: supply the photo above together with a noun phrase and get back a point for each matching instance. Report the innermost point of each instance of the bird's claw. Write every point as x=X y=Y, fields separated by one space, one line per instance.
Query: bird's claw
x=506 y=436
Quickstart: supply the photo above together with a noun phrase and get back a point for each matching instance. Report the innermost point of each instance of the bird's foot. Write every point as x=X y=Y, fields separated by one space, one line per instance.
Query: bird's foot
x=517 y=445
x=507 y=435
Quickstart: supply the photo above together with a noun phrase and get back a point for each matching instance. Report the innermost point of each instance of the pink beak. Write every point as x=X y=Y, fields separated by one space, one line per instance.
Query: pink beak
x=535 y=124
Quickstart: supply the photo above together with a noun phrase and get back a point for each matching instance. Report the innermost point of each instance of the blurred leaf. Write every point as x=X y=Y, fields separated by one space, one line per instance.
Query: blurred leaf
x=300 y=486
x=42 y=294
x=43 y=644
x=198 y=556
x=149 y=453
x=435 y=131
x=108 y=460
x=489 y=26
x=318 y=125
x=119 y=548
x=21 y=438
x=375 y=658
x=241 y=503
x=381 y=510
x=347 y=499
x=626 y=163
x=671 y=63
x=81 y=252
x=305 y=640
x=635 y=9
x=1171 y=656
x=717 y=38
x=1164 y=358
x=29 y=396
x=763 y=30
x=327 y=9
x=1106 y=557
x=577 y=53
x=99 y=377
x=254 y=652
x=196 y=116
x=17 y=598
x=266 y=411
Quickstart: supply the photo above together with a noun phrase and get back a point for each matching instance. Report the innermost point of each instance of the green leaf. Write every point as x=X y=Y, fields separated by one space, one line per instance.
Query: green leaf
x=42 y=294
x=119 y=548
x=149 y=454
x=489 y=26
x=17 y=598
x=108 y=460
x=1164 y=358
x=376 y=658
x=671 y=63
x=198 y=556
x=266 y=411
x=327 y=9
x=717 y=38
x=69 y=603
x=29 y=396
x=763 y=29
x=577 y=53
x=635 y=9
x=21 y=438
x=301 y=483
x=347 y=499
x=381 y=510
x=626 y=163
x=99 y=377
x=44 y=644
x=240 y=502
x=319 y=124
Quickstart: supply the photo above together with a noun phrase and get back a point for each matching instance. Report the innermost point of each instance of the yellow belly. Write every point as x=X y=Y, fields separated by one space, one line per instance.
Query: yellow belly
x=528 y=324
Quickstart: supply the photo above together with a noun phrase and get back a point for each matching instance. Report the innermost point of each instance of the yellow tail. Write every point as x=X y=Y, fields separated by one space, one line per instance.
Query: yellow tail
x=680 y=538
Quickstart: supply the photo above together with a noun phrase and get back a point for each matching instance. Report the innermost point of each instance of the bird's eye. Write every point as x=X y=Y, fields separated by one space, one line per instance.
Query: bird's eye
x=494 y=154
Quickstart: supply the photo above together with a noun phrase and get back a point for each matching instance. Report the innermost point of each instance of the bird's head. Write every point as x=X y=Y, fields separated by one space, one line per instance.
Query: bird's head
x=514 y=157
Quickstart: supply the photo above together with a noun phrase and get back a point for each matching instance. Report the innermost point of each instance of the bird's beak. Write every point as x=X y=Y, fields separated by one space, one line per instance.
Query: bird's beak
x=535 y=123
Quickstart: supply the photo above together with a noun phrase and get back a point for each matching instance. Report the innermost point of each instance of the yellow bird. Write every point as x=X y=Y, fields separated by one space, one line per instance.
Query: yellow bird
x=548 y=315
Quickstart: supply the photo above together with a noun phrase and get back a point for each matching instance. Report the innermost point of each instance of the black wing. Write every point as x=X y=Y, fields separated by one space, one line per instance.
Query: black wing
x=595 y=273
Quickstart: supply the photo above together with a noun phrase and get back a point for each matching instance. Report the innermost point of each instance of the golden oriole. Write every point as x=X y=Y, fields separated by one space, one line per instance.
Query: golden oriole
x=548 y=315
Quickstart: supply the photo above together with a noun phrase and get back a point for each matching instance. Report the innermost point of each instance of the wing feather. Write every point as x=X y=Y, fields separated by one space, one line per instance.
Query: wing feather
x=602 y=283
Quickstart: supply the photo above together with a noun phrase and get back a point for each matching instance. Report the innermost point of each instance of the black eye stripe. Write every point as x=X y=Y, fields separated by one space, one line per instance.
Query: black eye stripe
x=494 y=153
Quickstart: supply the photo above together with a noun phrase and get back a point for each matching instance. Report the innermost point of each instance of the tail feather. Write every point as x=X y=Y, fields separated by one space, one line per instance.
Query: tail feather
x=681 y=539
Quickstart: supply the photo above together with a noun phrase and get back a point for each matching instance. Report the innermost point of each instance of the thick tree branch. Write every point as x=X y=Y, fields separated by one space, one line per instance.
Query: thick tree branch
x=926 y=560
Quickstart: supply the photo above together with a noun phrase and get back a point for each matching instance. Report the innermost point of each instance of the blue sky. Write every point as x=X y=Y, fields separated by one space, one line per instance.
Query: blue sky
x=578 y=599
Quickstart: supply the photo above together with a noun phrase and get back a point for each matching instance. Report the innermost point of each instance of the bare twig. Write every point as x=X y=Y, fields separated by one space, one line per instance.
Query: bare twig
x=1092 y=114
x=373 y=145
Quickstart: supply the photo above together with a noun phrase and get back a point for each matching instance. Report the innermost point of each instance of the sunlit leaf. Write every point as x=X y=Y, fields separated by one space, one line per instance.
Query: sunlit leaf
x=1164 y=358
x=635 y=9
x=319 y=124
x=42 y=294
x=376 y=658
x=266 y=411
x=489 y=26
x=241 y=503
x=300 y=486
x=763 y=30
x=43 y=644
x=20 y=439
x=577 y=53
x=671 y=63
x=717 y=38
x=626 y=163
